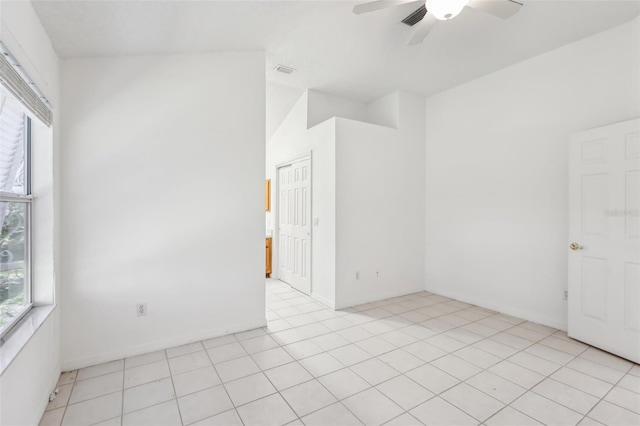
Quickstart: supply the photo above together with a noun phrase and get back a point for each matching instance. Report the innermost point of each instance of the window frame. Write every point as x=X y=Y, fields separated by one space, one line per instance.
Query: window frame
x=27 y=200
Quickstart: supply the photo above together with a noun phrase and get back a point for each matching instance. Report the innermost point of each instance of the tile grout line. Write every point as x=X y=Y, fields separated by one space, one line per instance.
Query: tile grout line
x=331 y=330
x=607 y=393
x=173 y=385
x=223 y=387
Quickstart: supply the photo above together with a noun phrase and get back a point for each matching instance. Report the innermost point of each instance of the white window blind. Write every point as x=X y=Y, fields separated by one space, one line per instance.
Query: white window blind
x=18 y=85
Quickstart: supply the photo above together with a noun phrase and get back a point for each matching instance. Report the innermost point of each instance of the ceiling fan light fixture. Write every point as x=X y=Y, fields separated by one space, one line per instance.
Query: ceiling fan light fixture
x=445 y=9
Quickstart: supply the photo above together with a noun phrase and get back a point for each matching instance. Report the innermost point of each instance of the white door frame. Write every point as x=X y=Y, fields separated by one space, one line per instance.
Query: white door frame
x=276 y=241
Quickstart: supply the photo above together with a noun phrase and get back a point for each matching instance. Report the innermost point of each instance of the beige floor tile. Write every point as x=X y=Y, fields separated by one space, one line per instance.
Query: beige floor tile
x=249 y=389
x=457 y=367
x=219 y=341
x=236 y=368
x=344 y=383
x=510 y=417
x=288 y=375
x=566 y=395
x=203 y=404
x=146 y=373
x=195 y=380
x=405 y=419
x=630 y=382
x=333 y=414
x=146 y=395
x=401 y=360
x=52 y=417
x=443 y=360
x=143 y=359
x=472 y=401
x=624 y=398
x=610 y=375
x=374 y=371
x=96 y=386
x=545 y=410
x=477 y=357
x=372 y=407
x=321 y=364
x=272 y=410
x=272 y=358
x=534 y=363
x=308 y=397
x=588 y=384
x=226 y=352
x=350 y=354
x=304 y=349
x=516 y=374
x=432 y=378
x=184 y=349
x=496 y=386
x=67 y=377
x=425 y=351
x=101 y=369
x=606 y=359
x=228 y=418
x=376 y=346
x=405 y=392
x=437 y=411
x=610 y=414
x=259 y=344
x=192 y=361
x=94 y=410
x=165 y=414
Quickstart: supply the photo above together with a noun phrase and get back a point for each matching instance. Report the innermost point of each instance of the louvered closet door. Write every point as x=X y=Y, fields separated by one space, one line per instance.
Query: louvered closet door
x=294 y=227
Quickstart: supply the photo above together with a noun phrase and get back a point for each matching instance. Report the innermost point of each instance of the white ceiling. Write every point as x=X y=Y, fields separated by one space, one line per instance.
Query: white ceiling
x=360 y=57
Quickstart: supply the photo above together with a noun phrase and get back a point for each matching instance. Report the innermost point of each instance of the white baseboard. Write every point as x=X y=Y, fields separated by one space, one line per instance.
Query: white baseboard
x=158 y=345
x=509 y=310
x=376 y=296
x=326 y=302
x=42 y=406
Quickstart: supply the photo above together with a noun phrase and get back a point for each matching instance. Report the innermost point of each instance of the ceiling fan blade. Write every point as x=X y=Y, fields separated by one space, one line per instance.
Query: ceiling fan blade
x=422 y=29
x=378 y=5
x=501 y=8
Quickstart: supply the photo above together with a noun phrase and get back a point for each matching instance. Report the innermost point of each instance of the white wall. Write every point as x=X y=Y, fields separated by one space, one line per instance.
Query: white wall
x=323 y=106
x=279 y=101
x=292 y=140
x=363 y=175
x=380 y=203
x=384 y=111
x=163 y=177
x=26 y=383
x=497 y=171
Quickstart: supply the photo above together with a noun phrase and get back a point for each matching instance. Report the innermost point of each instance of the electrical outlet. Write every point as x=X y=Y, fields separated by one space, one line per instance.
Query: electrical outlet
x=141 y=309
x=357 y=275
x=565 y=295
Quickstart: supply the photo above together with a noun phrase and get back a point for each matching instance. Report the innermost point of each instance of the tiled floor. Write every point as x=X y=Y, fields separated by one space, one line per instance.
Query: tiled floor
x=411 y=360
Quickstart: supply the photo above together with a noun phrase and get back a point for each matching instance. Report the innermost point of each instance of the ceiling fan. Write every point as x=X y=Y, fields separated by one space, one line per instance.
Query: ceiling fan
x=431 y=11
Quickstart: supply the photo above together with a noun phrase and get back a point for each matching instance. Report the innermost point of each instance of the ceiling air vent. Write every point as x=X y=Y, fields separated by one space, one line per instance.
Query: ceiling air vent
x=415 y=17
x=284 y=69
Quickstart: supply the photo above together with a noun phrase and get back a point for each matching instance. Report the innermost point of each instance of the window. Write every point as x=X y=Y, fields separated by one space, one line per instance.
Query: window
x=15 y=211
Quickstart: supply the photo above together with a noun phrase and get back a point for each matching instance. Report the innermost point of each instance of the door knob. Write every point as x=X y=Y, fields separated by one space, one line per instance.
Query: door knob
x=575 y=246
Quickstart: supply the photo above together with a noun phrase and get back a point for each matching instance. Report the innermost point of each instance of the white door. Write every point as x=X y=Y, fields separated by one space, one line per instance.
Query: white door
x=294 y=224
x=604 y=246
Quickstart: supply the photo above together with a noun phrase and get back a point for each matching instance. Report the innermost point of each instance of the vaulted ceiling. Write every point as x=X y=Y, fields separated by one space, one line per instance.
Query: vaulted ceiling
x=333 y=50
